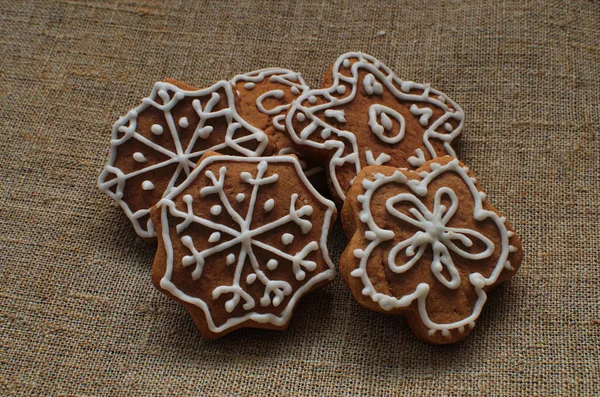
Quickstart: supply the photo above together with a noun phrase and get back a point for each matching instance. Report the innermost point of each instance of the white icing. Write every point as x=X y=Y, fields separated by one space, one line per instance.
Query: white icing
x=287 y=238
x=275 y=291
x=431 y=231
x=380 y=160
x=157 y=129
x=286 y=78
x=336 y=114
x=269 y=204
x=113 y=178
x=183 y=122
x=342 y=143
x=425 y=114
x=147 y=185
x=277 y=94
x=240 y=197
x=230 y=259
x=418 y=159
x=215 y=210
x=380 y=123
x=272 y=264
x=372 y=86
x=139 y=157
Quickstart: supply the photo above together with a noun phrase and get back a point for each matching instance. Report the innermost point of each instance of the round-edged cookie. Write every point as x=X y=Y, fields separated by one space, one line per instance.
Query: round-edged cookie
x=156 y=145
x=366 y=115
x=265 y=96
x=241 y=240
x=427 y=245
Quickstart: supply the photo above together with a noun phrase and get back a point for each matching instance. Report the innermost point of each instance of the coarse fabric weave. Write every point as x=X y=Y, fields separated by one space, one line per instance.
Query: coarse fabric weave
x=78 y=314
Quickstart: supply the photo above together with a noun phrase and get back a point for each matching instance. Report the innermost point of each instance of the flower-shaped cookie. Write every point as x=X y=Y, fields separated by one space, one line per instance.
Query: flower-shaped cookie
x=426 y=244
x=265 y=97
x=241 y=240
x=366 y=115
x=156 y=145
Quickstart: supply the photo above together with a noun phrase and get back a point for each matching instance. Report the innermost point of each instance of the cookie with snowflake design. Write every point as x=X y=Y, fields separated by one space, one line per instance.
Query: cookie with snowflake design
x=265 y=97
x=241 y=240
x=366 y=115
x=156 y=145
x=427 y=245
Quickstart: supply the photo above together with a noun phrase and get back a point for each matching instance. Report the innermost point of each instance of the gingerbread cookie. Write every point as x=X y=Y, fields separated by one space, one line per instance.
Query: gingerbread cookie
x=265 y=97
x=427 y=245
x=241 y=241
x=156 y=145
x=365 y=115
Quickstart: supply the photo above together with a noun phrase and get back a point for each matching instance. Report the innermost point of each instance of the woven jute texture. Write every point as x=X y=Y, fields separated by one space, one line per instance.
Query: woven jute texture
x=78 y=314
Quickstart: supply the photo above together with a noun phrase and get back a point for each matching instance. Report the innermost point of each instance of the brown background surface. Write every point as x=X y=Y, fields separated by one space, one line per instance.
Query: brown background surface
x=78 y=314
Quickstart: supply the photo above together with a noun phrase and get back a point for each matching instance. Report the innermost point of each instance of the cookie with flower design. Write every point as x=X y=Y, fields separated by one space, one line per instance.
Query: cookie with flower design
x=427 y=245
x=157 y=144
x=241 y=240
x=366 y=115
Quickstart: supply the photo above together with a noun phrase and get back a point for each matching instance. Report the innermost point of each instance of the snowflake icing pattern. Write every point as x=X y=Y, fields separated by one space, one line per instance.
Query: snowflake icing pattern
x=183 y=130
x=247 y=238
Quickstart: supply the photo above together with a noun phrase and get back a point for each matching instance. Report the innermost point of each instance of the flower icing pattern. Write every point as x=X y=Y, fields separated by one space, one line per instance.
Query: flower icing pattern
x=435 y=232
x=431 y=229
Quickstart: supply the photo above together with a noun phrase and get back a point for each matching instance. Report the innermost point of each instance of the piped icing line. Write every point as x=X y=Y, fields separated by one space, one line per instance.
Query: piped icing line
x=379 y=75
x=275 y=290
x=298 y=86
x=127 y=124
x=432 y=231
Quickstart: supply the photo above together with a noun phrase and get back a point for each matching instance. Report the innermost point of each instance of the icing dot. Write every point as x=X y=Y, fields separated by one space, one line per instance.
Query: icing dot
x=251 y=278
x=287 y=238
x=295 y=90
x=204 y=132
x=249 y=85
x=301 y=117
x=346 y=63
x=312 y=99
x=215 y=210
x=230 y=259
x=183 y=122
x=156 y=129
x=341 y=89
x=272 y=264
x=216 y=236
x=269 y=204
x=326 y=133
x=139 y=157
x=448 y=127
x=147 y=185
x=240 y=197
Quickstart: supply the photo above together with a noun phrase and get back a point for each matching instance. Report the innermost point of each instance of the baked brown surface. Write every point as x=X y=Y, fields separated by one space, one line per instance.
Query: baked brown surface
x=359 y=94
x=264 y=97
x=254 y=291
x=152 y=149
x=440 y=218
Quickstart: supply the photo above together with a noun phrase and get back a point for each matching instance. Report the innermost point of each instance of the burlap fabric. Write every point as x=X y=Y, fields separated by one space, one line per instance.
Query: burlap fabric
x=78 y=315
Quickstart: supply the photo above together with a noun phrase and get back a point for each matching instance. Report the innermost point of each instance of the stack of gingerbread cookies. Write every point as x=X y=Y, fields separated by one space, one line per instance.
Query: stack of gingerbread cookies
x=232 y=180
